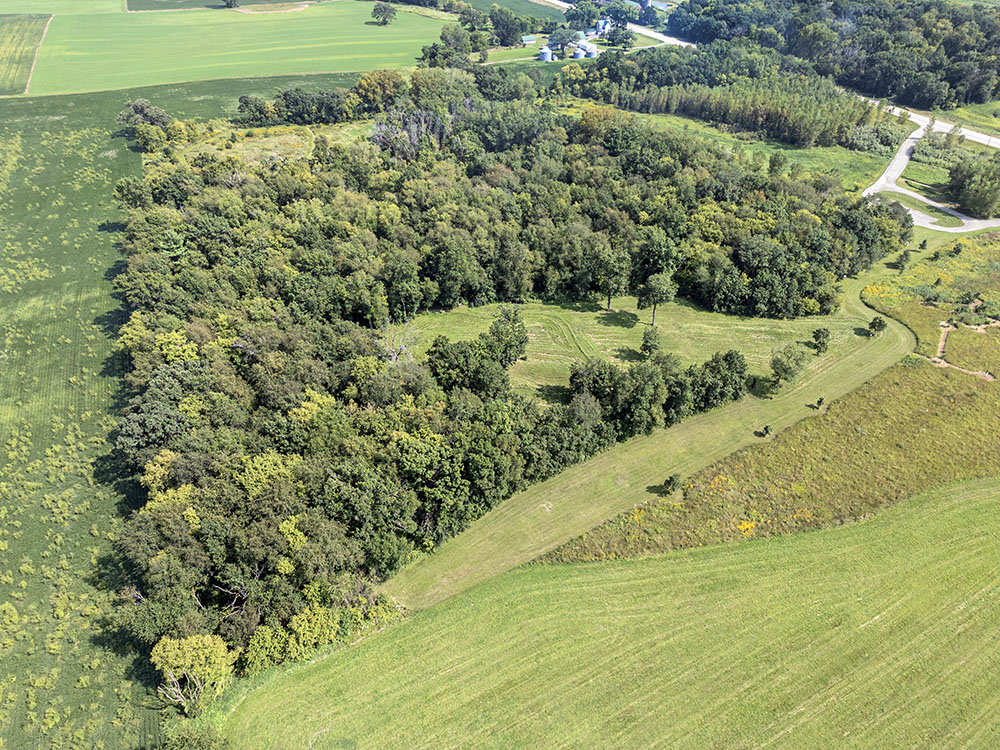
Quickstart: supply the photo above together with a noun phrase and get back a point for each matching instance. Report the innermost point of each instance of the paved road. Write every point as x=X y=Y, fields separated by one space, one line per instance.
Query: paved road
x=888 y=179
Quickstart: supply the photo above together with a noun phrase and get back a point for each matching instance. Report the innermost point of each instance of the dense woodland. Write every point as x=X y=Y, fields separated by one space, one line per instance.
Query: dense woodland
x=925 y=53
x=292 y=451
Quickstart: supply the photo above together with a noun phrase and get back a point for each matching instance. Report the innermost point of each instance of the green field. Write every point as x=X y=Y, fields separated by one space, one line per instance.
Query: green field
x=134 y=5
x=546 y=515
x=982 y=117
x=59 y=383
x=205 y=44
x=19 y=38
x=562 y=335
x=522 y=8
x=879 y=634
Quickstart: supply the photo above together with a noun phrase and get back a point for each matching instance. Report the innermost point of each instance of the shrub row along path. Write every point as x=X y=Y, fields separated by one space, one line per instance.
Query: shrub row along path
x=887 y=182
x=551 y=513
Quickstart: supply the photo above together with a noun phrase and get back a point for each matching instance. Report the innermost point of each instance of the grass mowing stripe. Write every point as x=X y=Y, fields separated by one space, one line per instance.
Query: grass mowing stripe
x=877 y=634
x=548 y=514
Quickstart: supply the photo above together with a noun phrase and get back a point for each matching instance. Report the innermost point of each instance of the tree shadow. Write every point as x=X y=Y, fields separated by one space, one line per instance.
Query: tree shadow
x=620 y=318
x=762 y=387
x=661 y=490
x=859 y=331
x=760 y=434
x=554 y=394
x=626 y=354
x=584 y=306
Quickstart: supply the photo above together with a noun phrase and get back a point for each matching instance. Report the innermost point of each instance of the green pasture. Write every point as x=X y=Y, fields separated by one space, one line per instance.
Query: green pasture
x=522 y=8
x=560 y=335
x=19 y=38
x=879 y=634
x=546 y=515
x=87 y=53
x=58 y=387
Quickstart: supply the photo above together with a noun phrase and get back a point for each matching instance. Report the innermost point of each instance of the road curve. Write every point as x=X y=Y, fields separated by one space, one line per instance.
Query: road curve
x=887 y=181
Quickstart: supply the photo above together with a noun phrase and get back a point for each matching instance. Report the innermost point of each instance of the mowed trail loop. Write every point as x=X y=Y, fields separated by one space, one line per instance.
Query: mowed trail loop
x=546 y=515
x=879 y=634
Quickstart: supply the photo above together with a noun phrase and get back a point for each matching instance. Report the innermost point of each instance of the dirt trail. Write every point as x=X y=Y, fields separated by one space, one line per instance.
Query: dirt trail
x=940 y=360
x=34 y=60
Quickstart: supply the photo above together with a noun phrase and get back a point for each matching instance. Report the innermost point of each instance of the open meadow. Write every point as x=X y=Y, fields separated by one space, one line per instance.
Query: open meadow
x=879 y=634
x=208 y=44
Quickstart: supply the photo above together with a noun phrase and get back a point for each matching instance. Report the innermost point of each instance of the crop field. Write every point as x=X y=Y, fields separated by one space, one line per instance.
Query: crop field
x=57 y=397
x=879 y=634
x=551 y=513
x=208 y=44
x=561 y=335
x=19 y=38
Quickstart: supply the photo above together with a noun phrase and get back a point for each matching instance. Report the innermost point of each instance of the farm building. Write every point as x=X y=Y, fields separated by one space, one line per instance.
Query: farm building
x=528 y=39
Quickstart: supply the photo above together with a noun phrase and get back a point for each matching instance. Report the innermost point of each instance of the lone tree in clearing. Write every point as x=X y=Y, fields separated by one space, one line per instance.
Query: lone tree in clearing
x=383 y=13
x=787 y=362
x=659 y=289
x=821 y=340
x=877 y=325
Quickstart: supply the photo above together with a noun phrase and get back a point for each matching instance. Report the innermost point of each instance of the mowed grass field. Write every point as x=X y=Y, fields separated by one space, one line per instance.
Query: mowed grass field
x=19 y=38
x=561 y=335
x=879 y=634
x=98 y=52
x=548 y=514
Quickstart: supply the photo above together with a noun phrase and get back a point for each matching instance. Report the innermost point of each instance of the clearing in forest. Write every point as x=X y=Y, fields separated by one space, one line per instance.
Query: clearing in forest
x=19 y=38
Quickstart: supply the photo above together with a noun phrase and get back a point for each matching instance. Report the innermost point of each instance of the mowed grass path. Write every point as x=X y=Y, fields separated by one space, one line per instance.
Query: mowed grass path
x=560 y=335
x=19 y=38
x=97 y=52
x=546 y=515
x=879 y=635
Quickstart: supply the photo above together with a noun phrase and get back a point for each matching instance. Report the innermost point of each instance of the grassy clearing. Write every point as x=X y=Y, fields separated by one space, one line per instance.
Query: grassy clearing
x=522 y=8
x=561 y=335
x=64 y=7
x=840 y=466
x=166 y=47
x=877 y=634
x=942 y=218
x=284 y=141
x=551 y=513
x=134 y=5
x=19 y=38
